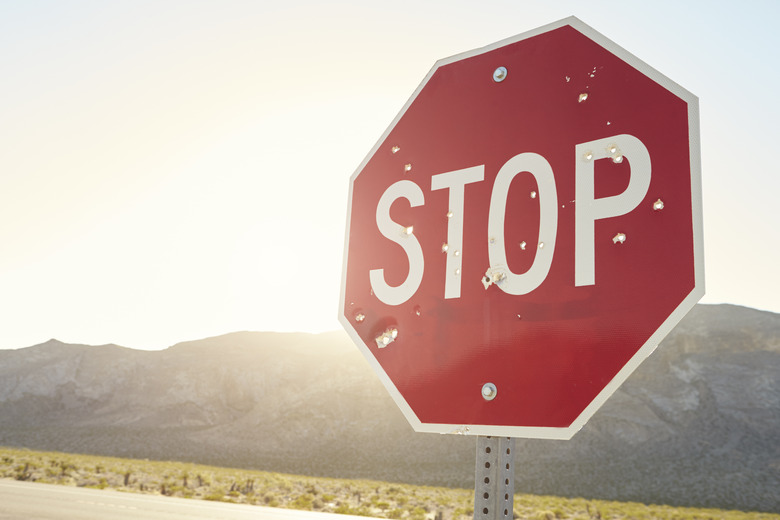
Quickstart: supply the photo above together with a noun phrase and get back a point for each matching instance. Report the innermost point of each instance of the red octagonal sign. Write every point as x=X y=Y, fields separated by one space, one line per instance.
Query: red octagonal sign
x=524 y=234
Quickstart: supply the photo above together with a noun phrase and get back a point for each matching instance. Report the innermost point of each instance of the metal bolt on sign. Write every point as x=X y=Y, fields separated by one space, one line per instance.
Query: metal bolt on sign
x=494 y=478
x=489 y=391
x=499 y=74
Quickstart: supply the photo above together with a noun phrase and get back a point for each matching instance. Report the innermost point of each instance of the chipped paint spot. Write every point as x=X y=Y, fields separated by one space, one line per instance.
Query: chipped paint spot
x=387 y=337
x=619 y=238
x=493 y=275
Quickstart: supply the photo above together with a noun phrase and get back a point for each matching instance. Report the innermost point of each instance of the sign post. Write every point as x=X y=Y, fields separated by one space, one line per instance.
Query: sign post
x=494 y=478
x=522 y=236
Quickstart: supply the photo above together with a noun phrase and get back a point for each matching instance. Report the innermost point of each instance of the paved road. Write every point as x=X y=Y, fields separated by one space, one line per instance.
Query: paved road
x=33 y=501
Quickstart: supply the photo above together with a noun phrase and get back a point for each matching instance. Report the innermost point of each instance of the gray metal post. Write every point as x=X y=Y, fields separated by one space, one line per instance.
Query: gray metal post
x=494 y=478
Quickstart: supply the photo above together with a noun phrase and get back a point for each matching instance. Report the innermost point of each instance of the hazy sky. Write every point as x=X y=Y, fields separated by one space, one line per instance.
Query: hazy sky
x=171 y=170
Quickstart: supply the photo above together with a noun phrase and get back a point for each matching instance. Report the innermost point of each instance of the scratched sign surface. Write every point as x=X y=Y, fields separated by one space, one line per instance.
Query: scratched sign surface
x=524 y=234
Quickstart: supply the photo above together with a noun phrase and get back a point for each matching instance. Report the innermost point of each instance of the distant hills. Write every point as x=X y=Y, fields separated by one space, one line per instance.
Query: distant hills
x=697 y=424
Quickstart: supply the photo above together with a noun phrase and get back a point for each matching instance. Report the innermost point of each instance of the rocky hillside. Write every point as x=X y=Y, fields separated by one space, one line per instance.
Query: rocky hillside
x=697 y=424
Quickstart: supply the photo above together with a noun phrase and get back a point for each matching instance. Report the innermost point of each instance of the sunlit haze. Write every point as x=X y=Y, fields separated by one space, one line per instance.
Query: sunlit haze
x=175 y=170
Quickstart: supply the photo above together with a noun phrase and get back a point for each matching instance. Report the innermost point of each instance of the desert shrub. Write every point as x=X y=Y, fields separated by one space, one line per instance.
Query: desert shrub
x=344 y=509
x=395 y=514
x=444 y=500
x=418 y=513
x=303 y=502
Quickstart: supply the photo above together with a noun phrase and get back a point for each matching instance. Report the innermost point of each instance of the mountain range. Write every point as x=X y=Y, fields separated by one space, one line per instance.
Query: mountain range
x=697 y=424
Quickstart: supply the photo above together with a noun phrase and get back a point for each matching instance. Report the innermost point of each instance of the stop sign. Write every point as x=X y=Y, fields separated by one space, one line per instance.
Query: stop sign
x=524 y=234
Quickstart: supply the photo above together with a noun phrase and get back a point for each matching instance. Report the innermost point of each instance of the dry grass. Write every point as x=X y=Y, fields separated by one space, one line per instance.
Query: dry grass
x=356 y=497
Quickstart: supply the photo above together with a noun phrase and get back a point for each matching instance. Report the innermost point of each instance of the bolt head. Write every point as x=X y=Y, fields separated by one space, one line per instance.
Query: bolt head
x=499 y=74
x=489 y=391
